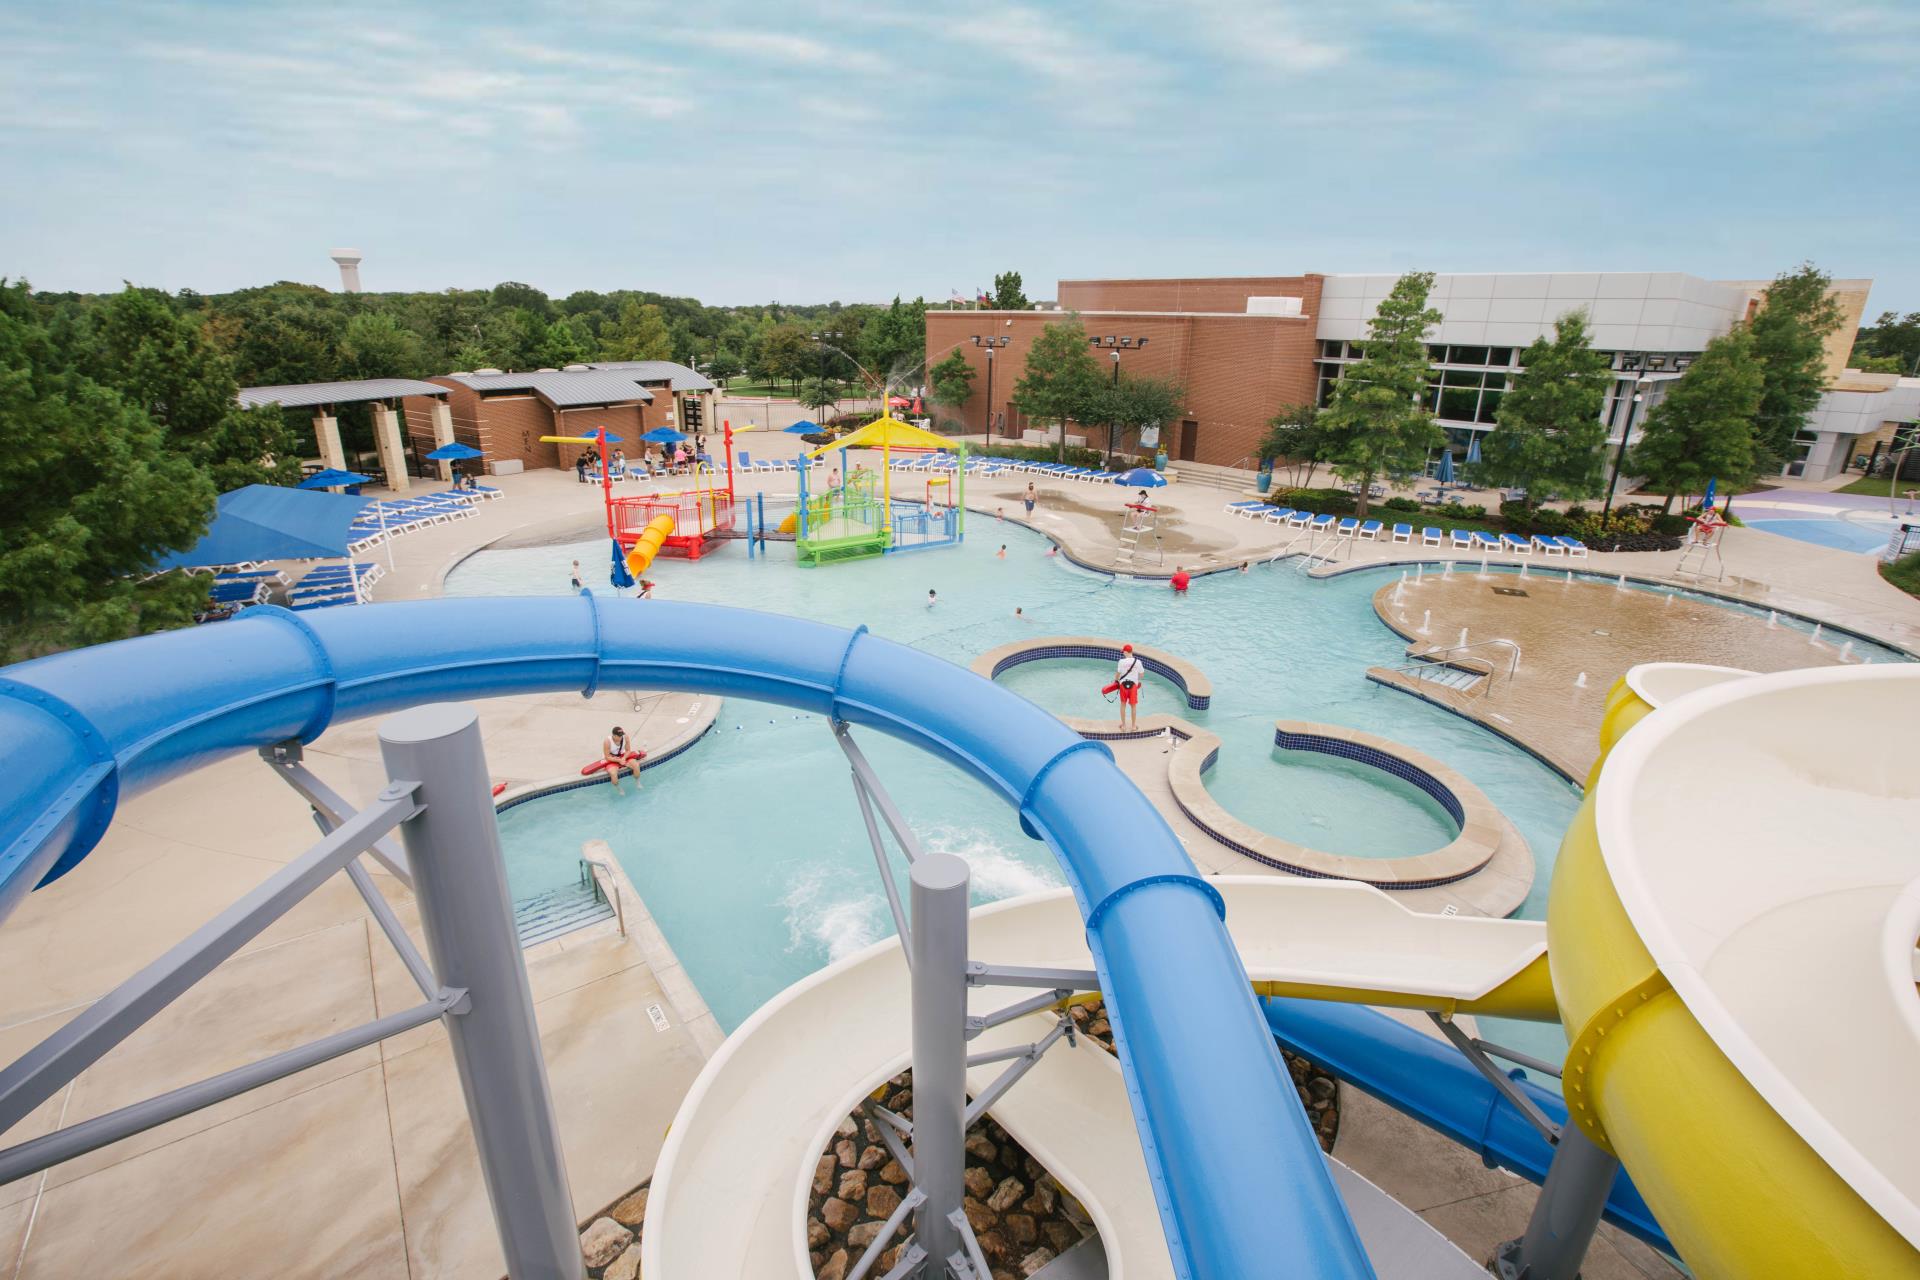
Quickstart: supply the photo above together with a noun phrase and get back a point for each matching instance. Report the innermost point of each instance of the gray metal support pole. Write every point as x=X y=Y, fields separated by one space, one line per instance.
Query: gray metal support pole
x=460 y=882
x=1566 y=1214
x=939 y=942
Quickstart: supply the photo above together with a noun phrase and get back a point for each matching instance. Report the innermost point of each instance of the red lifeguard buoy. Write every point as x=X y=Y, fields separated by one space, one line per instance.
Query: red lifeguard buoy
x=589 y=769
x=498 y=787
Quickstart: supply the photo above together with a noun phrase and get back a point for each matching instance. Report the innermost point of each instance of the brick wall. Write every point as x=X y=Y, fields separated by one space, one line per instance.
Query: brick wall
x=1238 y=369
x=1195 y=293
x=620 y=420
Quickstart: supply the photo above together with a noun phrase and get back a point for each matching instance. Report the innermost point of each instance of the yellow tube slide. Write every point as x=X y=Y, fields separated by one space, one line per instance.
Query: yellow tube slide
x=647 y=545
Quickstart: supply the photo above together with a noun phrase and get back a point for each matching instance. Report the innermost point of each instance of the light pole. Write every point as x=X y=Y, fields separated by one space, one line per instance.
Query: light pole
x=990 y=341
x=1620 y=454
x=1115 y=353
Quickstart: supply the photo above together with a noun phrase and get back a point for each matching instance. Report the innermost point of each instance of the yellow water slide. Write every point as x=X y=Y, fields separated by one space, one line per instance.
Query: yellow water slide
x=647 y=545
x=1732 y=925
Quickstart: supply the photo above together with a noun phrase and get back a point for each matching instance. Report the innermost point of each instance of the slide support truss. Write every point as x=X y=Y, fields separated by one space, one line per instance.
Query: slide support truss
x=1579 y=1180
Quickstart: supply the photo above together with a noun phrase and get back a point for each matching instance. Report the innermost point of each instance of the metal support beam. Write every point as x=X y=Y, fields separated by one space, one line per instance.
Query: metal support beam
x=89 y=1135
x=909 y=844
x=284 y=758
x=878 y=1245
x=939 y=894
x=1021 y=1065
x=1518 y=1058
x=900 y=924
x=967 y=1261
x=453 y=848
x=980 y=974
x=1019 y=1009
x=1565 y=1216
x=45 y=1069
x=892 y=1130
x=1497 y=1078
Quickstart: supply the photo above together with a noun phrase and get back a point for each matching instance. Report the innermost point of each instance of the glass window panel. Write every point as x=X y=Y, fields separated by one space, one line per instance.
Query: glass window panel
x=1467 y=355
x=1356 y=350
x=1500 y=355
x=1489 y=403
x=1457 y=403
x=1433 y=399
x=1436 y=352
x=1330 y=347
x=1460 y=378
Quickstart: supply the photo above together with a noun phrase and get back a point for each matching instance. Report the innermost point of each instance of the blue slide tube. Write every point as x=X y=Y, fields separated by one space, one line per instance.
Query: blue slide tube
x=1426 y=1078
x=1232 y=1161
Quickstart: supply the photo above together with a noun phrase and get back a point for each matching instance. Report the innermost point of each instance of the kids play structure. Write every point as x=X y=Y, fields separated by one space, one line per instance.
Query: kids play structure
x=1730 y=945
x=865 y=515
x=685 y=522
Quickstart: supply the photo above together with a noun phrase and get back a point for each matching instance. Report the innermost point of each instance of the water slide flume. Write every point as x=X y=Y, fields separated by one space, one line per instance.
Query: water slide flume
x=1228 y=1153
x=731 y=1186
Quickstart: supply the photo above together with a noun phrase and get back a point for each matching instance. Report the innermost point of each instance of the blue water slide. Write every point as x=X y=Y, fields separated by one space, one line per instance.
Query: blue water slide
x=1232 y=1161
x=1424 y=1077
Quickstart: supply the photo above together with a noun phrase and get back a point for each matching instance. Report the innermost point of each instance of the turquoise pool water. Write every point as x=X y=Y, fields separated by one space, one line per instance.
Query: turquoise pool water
x=749 y=848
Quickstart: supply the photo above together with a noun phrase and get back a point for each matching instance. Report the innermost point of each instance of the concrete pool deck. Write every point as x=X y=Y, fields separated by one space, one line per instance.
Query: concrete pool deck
x=364 y=1165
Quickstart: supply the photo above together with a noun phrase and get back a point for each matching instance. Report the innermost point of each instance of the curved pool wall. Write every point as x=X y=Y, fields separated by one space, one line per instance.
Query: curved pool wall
x=1227 y=1148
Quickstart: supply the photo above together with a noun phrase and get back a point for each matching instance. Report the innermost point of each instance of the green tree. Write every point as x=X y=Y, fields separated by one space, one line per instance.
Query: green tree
x=1892 y=337
x=1294 y=434
x=1378 y=424
x=1007 y=293
x=376 y=345
x=818 y=394
x=1061 y=380
x=1132 y=404
x=94 y=496
x=1874 y=364
x=1704 y=428
x=511 y=295
x=565 y=344
x=951 y=381
x=1551 y=437
x=893 y=343
x=639 y=333
x=164 y=365
x=1796 y=315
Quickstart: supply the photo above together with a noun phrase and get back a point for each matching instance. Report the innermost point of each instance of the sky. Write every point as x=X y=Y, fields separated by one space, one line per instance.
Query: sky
x=807 y=153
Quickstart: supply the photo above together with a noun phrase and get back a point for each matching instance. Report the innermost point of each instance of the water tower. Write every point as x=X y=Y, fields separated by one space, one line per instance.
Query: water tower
x=348 y=260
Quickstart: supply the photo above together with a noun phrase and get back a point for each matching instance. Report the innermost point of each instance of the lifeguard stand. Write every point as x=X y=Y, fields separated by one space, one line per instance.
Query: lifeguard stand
x=1700 y=558
x=1139 y=527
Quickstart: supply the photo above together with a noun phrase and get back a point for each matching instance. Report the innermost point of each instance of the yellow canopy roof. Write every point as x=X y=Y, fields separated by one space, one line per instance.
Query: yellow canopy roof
x=887 y=433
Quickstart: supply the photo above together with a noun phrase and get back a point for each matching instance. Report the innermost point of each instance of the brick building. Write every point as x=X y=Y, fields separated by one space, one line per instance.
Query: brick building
x=1244 y=347
x=505 y=414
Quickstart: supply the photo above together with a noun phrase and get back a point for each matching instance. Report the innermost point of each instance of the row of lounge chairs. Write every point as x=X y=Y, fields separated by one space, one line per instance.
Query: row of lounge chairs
x=336 y=584
x=1061 y=471
x=395 y=516
x=1471 y=541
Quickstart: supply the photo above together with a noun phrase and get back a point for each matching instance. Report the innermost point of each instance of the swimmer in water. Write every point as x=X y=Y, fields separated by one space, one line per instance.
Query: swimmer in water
x=932 y=598
x=1001 y=554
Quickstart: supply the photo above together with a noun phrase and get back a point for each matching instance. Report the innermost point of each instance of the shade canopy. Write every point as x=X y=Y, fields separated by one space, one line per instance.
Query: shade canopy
x=664 y=435
x=887 y=433
x=334 y=478
x=455 y=452
x=1473 y=450
x=1445 y=474
x=1141 y=478
x=802 y=428
x=267 y=522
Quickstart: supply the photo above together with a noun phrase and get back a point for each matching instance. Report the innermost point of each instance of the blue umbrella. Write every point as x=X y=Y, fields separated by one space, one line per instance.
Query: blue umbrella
x=600 y=433
x=621 y=578
x=1445 y=474
x=1141 y=478
x=1706 y=503
x=802 y=428
x=1473 y=450
x=333 y=478
x=455 y=452
x=664 y=435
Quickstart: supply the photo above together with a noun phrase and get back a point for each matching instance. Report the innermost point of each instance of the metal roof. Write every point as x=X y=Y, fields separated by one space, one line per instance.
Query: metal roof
x=563 y=389
x=301 y=394
x=679 y=375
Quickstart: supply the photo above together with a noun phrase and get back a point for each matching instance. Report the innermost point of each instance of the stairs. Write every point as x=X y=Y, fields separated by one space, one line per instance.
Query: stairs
x=1447 y=676
x=546 y=916
x=1231 y=479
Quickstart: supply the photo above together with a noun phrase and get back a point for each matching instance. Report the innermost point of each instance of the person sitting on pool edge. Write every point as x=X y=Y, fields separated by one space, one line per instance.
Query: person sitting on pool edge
x=1180 y=580
x=618 y=751
x=1128 y=673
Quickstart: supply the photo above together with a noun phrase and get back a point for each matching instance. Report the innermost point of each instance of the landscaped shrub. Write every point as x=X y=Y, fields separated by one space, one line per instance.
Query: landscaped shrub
x=1461 y=511
x=1399 y=504
x=1322 y=502
x=1633 y=542
x=1668 y=525
x=1076 y=455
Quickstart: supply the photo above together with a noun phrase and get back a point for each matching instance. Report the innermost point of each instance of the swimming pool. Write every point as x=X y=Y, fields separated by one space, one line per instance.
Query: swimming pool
x=749 y=848
x=1842 y=534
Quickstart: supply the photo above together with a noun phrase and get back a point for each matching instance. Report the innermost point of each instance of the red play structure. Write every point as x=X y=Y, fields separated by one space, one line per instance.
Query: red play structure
x=700 y=514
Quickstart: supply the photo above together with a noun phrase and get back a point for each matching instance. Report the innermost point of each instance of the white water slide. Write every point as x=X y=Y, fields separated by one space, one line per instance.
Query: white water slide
x=730 y=1191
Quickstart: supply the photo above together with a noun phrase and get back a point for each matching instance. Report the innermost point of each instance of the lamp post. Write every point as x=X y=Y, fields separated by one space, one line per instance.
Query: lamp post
x=1620 y=454
x=990 y=341
x=1115 y=353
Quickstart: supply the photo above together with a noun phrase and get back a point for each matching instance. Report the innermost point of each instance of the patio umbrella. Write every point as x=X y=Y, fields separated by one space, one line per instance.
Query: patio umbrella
x=268 y=522
x=334 y=478
x=1706 y=503
x=802 y=428
x=455 y=452
x=1141 y=478
x=1445 y=474
x=1473 y=451
x=663 y=435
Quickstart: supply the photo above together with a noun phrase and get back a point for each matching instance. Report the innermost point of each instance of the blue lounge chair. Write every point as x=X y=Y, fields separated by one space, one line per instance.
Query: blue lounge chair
x=1370 y=530
x=1516 y=544
x=1462 y=540
x=1346 y=527
x=1321 y=524
x=1403 y=533
x=1485 y=542
x=1430 y=537
x=1300 y=519
x=1575 y=548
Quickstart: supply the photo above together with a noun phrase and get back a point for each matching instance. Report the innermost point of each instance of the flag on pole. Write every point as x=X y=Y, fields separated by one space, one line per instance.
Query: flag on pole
x=621 y=578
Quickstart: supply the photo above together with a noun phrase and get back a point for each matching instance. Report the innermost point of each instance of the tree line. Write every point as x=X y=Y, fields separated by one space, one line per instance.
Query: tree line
x=1731 y=416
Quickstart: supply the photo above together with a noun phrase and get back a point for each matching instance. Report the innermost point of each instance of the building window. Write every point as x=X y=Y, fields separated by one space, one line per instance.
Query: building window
x=1330 y=348
x=1502 y=356
x=1467 y=355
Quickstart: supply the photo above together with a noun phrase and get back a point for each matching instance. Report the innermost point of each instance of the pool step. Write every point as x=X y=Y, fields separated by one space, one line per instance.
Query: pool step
x=1451 y=677
x=546 y=916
